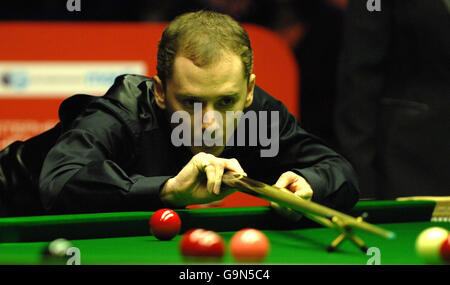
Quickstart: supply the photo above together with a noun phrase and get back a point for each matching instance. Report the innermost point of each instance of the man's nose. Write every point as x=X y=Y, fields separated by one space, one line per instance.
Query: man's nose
x=210 y=118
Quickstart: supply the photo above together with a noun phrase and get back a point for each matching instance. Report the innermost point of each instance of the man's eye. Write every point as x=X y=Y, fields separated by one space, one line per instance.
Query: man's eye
x=224 y=102
x=189 y=102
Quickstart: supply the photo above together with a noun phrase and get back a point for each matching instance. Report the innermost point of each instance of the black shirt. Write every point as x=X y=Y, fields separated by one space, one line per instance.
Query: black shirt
x=117 y=154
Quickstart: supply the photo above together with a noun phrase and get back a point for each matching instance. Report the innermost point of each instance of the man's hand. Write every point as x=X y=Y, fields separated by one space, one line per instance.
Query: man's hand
x=296 y=184
x=199 y=181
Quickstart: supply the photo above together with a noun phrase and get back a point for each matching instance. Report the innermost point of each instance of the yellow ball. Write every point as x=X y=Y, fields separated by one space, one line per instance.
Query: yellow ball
x=428 y=244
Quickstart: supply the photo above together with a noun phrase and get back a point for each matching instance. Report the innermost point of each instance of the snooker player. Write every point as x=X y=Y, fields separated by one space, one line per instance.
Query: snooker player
x=116 y=152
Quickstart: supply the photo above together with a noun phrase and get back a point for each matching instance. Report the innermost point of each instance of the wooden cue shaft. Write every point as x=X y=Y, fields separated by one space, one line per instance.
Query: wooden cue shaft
x=288 y=199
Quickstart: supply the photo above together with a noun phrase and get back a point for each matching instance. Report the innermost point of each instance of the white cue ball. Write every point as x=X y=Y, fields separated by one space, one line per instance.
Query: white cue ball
x=428 y=244
x=59 y=247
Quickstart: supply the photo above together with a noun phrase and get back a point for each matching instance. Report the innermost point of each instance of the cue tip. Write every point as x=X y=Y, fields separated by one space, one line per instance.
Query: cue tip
x=392 y=235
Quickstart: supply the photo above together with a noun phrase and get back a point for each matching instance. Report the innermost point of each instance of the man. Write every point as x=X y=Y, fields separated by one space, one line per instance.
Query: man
x=118 y=153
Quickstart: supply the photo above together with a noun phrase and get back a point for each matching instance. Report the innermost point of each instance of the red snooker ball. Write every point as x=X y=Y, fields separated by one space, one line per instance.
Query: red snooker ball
x=202 y=243
x=445 y=250
x=165 y=224
x=249 y=245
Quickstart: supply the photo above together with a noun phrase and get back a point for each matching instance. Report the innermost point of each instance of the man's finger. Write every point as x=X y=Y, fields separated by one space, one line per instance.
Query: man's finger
x=301 y=188
x=286 y=179
x=218 y=178
x=210 y=171
x=305 y=193
x=203 y=163
x=233 y=165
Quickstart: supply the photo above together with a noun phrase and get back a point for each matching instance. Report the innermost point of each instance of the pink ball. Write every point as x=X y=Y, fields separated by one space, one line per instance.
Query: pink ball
x=249 y=245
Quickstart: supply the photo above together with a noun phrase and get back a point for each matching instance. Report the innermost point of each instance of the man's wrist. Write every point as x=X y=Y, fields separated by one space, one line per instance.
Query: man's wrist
x=168 y=195
x=165 y=192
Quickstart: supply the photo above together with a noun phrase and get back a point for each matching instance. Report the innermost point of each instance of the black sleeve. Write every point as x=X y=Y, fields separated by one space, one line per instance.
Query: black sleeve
x=331 y=177
x=361 y=84
x=83 y=173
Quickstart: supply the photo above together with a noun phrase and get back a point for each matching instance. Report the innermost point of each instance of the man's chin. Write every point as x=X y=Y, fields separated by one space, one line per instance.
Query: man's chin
x=214 y=150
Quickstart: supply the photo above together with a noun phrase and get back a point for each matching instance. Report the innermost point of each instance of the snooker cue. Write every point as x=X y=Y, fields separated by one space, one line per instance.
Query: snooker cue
x=288 y=199
x=336 y=224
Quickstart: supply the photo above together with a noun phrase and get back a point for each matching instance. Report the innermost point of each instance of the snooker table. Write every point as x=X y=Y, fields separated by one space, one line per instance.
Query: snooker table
x=124 y=238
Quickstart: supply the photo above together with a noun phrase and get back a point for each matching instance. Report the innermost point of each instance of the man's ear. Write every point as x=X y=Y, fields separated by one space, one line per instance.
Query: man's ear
x=250 y=90
x=158 y=89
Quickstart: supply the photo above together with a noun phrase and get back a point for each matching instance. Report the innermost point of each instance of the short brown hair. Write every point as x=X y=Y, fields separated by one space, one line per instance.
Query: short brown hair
x=202 y=37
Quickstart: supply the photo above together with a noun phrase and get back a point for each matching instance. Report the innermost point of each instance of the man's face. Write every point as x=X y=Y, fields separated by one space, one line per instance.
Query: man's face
x=219 y=87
